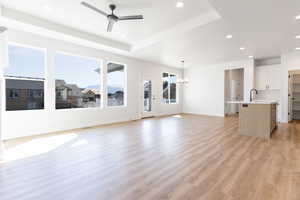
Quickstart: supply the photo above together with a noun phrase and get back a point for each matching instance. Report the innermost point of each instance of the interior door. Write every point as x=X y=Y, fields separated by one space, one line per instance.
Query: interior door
x=149 y=97
x=291 y=97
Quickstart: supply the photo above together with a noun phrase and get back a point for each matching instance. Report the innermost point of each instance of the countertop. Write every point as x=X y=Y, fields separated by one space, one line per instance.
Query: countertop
x=253 y=102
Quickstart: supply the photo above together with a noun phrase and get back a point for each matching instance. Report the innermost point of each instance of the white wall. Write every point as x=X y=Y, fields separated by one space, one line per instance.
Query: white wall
x=25 y=123
x=1 y=116
x=155 y=73
x=204 y=94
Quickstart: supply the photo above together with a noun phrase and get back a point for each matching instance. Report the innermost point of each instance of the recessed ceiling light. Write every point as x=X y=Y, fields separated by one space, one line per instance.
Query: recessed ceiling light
x=297 y=17
x=229 y=36
x=251 y=56
x=179 y=4
x=297 y=37
x=297 y=48
x=242 y=48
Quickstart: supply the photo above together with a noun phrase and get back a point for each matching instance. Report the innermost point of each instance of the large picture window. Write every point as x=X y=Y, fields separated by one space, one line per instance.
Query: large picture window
x=24 y=78
x=78 y=82
x=115 y=84
x=169 y=88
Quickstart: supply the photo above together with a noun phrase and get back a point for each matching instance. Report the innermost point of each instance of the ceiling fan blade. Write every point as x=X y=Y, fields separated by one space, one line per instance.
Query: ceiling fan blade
x=132 y=17
x=110 y=25
x=94 y=8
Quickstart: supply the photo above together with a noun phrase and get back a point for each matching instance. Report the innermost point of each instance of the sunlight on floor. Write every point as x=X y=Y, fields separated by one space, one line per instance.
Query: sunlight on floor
x=79 y=143
x=177 y=116
x=36 y=147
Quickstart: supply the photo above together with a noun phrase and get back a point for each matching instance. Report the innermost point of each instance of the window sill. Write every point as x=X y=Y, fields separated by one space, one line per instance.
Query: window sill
x=78 y=109
x=33 y=110
x=124 y=106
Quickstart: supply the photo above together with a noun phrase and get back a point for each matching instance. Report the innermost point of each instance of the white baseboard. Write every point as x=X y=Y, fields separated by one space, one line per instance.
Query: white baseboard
x=206 y=114
x=1 y=150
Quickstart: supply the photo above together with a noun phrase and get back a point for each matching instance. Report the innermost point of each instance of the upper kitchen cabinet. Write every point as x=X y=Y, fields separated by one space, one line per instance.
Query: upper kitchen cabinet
x=267 y=77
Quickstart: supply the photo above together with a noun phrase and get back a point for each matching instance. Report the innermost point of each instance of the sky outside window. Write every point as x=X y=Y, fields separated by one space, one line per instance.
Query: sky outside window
x=77 y=70
x=25 y=62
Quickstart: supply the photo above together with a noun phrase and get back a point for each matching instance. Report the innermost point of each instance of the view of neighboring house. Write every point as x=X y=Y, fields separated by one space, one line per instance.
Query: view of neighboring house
x=71 y=96
x=24 y=94
x=29 y=95
x=169 y=94
x=115 y=98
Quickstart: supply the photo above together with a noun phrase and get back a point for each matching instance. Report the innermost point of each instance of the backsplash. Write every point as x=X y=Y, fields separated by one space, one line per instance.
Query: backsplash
x=268 y=95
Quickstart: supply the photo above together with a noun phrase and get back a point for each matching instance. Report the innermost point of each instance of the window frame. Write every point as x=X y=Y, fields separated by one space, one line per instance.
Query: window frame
x=14 y=96
x=169 y=88
x=125 y=84
x=44 y=79
x=100 y=60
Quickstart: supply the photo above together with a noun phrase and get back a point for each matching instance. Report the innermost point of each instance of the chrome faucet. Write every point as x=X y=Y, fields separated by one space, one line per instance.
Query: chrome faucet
x=251 y=93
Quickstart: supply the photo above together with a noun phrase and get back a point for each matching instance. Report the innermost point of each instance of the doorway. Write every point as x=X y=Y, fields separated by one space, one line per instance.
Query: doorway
x=234 y=90
x=149 y=98
x=294 y=95
x=147 y=95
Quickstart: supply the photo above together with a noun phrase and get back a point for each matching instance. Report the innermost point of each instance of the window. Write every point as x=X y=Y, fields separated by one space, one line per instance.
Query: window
x=115 y=84
x=147 y=96
x=24 y=77
x=78 y=82
x=173 y=88
x=169 y=88
x=13 y=93
x=166 y=88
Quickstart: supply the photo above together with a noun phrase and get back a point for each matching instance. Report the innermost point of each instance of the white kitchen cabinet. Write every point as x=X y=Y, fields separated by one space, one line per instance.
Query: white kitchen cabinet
x=267 y=77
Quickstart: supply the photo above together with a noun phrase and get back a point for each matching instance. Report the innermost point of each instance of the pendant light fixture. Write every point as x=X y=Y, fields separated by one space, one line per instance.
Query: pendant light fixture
x=183 y=80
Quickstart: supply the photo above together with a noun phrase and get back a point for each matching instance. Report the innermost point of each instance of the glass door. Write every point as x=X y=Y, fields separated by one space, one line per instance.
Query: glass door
x=149 y=98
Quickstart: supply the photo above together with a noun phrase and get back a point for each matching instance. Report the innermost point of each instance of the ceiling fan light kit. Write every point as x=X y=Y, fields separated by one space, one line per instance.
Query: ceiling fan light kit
x=112 y=18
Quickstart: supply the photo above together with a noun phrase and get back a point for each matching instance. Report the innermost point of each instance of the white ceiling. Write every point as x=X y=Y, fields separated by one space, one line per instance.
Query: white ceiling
x=196 y=32
x=159 y=15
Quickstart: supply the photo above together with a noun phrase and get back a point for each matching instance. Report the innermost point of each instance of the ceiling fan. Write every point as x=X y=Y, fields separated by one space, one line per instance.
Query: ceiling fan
x=112 y=18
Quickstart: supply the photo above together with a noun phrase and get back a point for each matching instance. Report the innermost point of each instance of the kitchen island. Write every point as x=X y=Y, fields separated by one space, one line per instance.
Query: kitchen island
x=257 y=118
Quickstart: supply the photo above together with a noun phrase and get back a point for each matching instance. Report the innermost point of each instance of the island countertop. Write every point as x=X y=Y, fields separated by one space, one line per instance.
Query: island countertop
x=254 y=102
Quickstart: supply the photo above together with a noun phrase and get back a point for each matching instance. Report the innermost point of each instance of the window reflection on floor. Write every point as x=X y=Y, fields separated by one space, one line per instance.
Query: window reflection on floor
x=79 y=143
x=36 y=147
x=177 y=116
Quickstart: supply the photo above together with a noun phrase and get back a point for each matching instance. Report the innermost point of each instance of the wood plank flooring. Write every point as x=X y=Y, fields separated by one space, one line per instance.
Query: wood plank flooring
x=183 y=157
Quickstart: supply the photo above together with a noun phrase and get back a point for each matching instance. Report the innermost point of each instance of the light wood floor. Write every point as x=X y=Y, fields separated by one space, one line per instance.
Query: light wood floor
x=183 y=157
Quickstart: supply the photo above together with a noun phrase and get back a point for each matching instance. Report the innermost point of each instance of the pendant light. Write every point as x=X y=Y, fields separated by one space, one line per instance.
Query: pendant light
x=183 y=80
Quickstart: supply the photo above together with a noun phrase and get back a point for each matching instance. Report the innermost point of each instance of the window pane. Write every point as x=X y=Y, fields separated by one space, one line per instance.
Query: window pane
x=25 y=62
x=25 y=78
x=115 y=84
x=24 y=94
x=77 y=82
x=173 y=94
x=166 y=87
x=147 y=96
